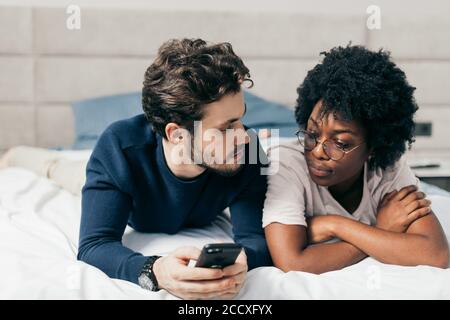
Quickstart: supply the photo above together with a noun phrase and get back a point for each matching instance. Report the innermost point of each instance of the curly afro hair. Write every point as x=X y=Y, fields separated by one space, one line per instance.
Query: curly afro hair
x=358 y=84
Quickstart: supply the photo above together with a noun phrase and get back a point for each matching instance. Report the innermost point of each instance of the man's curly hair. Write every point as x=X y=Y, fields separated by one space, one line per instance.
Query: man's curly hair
x=366 y=86
x=186 y=75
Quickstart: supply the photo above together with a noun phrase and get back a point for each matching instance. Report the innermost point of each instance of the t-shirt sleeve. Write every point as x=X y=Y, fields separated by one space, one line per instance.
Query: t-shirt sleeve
x=398 y=177
x=285 y=197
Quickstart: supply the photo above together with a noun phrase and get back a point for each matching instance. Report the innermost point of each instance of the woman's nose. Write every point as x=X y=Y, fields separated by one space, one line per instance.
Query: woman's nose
x=319 y=151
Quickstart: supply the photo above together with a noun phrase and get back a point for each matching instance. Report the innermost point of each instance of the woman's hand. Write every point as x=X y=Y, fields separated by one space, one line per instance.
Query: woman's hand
x=320 y=228
x=4 y=159
x=399 y=209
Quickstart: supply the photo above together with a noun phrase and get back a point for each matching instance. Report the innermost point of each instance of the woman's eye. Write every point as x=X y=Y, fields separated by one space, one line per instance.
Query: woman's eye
x=342 y=145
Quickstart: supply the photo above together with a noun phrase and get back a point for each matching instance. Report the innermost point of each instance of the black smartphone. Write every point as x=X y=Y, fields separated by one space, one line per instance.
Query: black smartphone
x=218 y=255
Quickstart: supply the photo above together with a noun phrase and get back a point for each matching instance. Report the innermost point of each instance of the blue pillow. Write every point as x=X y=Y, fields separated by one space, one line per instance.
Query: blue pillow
x=93 y=116
x=264 y=114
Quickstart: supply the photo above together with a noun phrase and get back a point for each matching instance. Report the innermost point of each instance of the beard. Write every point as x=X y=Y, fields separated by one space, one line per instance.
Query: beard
x=225 y=169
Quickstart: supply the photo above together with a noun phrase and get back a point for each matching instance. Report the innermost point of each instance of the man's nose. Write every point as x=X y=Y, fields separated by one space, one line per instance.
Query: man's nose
x=243 y=135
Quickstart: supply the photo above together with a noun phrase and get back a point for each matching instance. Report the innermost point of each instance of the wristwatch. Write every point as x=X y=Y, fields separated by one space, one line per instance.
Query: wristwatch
x=147 y=278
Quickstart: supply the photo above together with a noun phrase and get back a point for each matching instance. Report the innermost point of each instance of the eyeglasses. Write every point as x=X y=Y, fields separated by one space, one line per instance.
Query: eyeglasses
x=333 y=150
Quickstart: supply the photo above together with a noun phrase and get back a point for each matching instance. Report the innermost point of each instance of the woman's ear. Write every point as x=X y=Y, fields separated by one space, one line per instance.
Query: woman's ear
x=370 y=154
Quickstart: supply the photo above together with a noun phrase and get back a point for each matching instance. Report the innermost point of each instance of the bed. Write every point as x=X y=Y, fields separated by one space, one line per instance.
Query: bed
x=39 y=222
x=39 y=225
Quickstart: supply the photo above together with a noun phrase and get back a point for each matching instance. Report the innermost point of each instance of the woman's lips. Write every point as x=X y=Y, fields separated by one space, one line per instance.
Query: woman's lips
x=319 y=171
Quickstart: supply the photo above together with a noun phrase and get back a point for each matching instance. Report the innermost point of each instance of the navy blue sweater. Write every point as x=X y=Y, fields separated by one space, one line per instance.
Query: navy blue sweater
x=129 y=182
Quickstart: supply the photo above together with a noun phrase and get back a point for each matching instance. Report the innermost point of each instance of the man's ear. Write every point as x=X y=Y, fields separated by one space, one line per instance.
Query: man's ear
x=173 y=133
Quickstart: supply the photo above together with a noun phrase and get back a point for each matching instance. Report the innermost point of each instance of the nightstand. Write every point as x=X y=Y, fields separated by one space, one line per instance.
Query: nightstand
x=431 y=167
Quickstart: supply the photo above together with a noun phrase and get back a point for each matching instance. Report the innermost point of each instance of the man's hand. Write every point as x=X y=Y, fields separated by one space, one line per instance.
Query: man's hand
x=399 y=209
x=174 y=275
x=320 y=228
x=237 y=271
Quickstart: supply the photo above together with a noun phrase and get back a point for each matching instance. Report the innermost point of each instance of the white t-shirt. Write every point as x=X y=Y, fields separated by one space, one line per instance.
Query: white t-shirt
x=292 y=195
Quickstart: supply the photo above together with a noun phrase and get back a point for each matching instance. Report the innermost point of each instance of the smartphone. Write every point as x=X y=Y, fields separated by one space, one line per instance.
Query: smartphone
x=218 y=255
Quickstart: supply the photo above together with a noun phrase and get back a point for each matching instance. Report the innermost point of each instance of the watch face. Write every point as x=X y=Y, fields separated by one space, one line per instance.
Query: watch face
x=146 y=283
x=147 y=279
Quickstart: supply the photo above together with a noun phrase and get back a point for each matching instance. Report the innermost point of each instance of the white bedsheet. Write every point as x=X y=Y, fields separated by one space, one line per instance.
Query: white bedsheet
x=38 y=243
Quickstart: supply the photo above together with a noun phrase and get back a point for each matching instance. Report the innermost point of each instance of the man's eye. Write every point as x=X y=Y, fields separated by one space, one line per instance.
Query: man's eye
x=231 y=126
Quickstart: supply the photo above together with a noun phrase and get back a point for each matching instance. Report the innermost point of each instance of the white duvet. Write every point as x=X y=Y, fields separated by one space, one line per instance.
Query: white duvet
x=38 y=243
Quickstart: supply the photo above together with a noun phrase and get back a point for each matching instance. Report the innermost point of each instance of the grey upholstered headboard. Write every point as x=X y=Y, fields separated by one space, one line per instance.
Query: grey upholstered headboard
x=45 y=66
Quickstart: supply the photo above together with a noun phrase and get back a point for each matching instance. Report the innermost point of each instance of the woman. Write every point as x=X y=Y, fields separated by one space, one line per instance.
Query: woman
x=344 y=185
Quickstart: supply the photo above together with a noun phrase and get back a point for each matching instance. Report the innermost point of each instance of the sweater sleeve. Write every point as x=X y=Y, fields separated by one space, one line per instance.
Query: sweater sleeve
x=246 y=212
x=106 y=206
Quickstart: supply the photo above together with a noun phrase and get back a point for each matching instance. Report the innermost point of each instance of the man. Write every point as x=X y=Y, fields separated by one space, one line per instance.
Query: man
x=158 y=172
